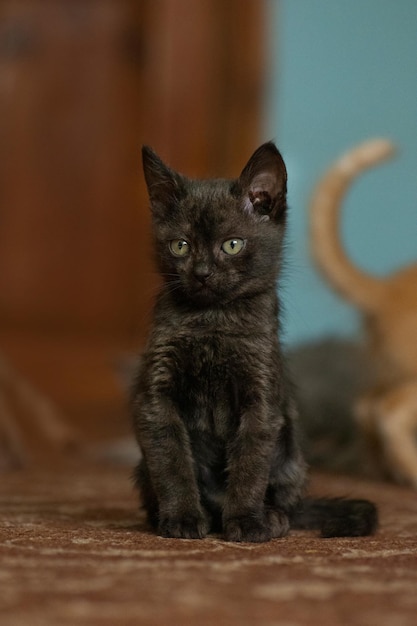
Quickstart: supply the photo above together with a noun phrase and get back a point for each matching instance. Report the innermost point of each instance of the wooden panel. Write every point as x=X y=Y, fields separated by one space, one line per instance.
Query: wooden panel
x=204 y=79
x=82 y=85
x=69 y=164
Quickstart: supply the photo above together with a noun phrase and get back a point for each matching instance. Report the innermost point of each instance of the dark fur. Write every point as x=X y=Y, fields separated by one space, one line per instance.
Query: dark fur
x=213 y=410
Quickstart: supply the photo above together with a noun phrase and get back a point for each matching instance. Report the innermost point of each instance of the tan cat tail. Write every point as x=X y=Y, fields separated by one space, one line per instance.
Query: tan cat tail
x=350 y=282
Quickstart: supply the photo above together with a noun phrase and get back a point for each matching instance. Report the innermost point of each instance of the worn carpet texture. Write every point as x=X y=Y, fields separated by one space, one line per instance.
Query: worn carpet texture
x=74 y=550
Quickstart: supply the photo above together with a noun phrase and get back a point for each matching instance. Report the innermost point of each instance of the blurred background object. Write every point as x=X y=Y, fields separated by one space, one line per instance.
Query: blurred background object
x=83 y=83
x=342 y=73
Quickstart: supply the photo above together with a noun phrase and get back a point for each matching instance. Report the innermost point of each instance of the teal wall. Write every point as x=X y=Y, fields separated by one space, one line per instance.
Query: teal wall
x=342 y=72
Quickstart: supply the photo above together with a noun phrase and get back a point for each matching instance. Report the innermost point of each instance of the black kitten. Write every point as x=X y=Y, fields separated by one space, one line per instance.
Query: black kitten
x=213 y=411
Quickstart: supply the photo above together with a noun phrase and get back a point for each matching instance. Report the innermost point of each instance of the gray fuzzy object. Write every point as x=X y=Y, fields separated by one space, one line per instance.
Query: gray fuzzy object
x=330 y=375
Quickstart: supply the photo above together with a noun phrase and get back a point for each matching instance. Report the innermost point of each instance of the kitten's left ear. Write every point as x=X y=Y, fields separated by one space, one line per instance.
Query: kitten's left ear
x=264 y=182
x=165 y=186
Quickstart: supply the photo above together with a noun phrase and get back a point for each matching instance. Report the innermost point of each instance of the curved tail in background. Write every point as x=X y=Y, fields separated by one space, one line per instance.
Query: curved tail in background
x=353 y=284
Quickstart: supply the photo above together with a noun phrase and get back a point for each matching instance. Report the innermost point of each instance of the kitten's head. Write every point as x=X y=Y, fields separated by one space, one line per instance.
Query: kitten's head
x=218 y=240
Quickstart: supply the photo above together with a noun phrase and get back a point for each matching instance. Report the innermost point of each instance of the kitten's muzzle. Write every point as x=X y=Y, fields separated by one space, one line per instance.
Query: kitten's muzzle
x=202 y=272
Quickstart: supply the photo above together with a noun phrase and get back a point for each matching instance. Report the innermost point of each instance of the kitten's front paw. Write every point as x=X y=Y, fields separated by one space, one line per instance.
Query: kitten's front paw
x=188 y=526
x=247 y=528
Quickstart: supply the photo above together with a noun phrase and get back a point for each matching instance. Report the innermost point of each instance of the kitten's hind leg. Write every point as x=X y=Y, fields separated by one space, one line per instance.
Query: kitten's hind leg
x=287 y=479
x=284 y=492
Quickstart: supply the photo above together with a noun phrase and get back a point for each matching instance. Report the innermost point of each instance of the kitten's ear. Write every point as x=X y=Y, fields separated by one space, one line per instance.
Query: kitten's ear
x=164 y=185
x=263 y=182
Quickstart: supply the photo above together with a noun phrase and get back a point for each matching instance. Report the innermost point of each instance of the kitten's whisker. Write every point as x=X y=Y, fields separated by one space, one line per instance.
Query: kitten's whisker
x=173 y=288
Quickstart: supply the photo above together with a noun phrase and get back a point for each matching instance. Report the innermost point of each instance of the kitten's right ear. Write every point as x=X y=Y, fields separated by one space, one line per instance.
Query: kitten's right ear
x=264 y=183
x=165 y=186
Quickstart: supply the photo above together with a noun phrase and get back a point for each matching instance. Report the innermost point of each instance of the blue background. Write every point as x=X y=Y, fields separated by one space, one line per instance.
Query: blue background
x=342 y=72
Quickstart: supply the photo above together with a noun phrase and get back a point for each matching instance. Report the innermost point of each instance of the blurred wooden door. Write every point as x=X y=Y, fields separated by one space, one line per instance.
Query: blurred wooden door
x=83 y=83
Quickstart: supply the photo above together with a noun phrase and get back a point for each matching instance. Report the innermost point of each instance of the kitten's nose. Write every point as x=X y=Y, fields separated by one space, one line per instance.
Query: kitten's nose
x=201 y=272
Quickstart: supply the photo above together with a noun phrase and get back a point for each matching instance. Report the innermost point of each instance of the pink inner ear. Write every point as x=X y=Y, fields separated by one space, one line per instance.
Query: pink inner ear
x=251 y=202
x=265 y=183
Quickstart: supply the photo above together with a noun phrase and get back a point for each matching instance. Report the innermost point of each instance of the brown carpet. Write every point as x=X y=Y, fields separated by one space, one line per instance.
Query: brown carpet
x=75 y=551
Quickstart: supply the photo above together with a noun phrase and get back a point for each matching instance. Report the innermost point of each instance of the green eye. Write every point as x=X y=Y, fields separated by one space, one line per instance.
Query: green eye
x=233 y=246
x=179 y=247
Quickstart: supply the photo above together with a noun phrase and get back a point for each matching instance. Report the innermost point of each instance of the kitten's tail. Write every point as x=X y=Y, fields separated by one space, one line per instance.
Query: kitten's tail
x=352 y=283
x=336 y=517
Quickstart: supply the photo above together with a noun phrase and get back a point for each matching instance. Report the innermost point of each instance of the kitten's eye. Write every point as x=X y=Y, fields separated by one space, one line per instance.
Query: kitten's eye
x=179 y=247
x=233 y=246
